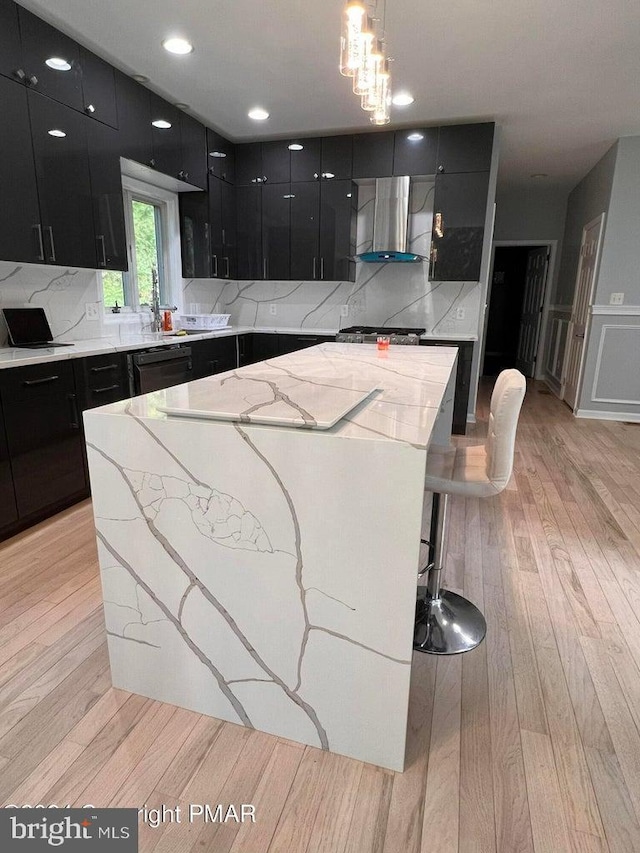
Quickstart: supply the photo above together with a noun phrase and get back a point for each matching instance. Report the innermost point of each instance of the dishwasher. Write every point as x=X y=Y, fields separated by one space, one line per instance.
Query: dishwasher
x=159 y=368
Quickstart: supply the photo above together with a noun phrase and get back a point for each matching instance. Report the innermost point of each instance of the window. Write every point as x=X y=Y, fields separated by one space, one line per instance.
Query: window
x=151 y=225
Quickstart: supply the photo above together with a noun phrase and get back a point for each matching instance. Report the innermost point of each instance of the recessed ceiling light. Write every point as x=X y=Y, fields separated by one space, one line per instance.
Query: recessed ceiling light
x=217 y=154
x=58 y=64
x=415 y=137
x=140 y=78
x=162 y=123
x=179 y=46
x=258 y=114
x=182 y=106
x=402 y=99
x=295 y=146
x=57 y=133
x=539 y=175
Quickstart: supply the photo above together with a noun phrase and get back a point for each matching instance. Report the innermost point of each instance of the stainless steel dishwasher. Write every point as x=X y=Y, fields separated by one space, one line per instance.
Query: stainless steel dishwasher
x=159 y=368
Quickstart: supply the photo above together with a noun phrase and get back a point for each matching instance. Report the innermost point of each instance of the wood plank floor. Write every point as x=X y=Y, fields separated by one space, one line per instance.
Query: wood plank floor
x=529 y=743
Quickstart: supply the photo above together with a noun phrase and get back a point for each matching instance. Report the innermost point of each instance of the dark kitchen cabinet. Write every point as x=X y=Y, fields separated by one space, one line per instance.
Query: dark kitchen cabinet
x=193 y=145
x=98 y=88
x=305 y=231
x=101 y=379
x=415 y=151
x=276 y=162
x=64 y=186
x=167 y=143
x=276 y=210
x=229 y=236
x=41 y=42
x=222 y=224
x=106 y=193
x=8 y=508
x=221 y=157
x=460 y=205
x=249 y=164
x=134 y=120
x=338 y=217
x=44 y=436
x=20 y=230
x=195 y=235
x=10 y=49
x=337 y=156
x=249 y=232
x=293 y=343
x=463 y=380
x=214 y=355
x=465 y=147
x=263 y=346
x=306 y=163
x=373 y=154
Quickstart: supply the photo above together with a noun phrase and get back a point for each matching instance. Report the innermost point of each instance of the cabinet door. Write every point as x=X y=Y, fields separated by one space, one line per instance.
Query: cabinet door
x=134 y=120
x=167 y=151
x=64 y=186
x=101 y=379
x=193 y=140
x=465 y=147
x=337 y=156
x=415 y=151
x=249 y=164
x=306 y=162
x=41 y=42
x=213 y=356
x=44 y=438
x=264 y=345
x=220 y=156
x=98 y=88
x=8 y=509
x=338 y=200
x=249 y=232
x=276 y=162
x=373 y=155
x=20 y=232
x=106 y=192
x=194 y=235
x=229 y=236
x=305 y=231
x=276 y=209
x=216 y=227
x=10 y=49
x=460 y=204
x=293 y=343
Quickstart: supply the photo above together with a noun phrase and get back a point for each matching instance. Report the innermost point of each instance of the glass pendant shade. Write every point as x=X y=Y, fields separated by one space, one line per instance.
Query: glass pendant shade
x=365 y=76
x=378 y=92
x=381 y=113
x=350 y=43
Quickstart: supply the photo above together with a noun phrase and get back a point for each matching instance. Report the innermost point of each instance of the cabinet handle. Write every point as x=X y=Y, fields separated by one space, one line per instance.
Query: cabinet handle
x=38 y=230
x=52 y=244
x=103 y=369
x=32 y=81
x=441 y=168
x=322 y=269
x=105 y=389
x=19 y=74
x=215 y=265
x=45 y=379
x=152 y=162
x=213 y=365
x=264 y=268
x=73 y=405
x=103 y=250
x=314 y=269
x=228 y=274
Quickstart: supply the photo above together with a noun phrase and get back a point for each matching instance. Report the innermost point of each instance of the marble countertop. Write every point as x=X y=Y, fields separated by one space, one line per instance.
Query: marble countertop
x=411 y=382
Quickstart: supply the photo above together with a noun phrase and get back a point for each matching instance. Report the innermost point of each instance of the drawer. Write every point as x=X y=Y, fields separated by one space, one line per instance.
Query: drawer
x=37 y=381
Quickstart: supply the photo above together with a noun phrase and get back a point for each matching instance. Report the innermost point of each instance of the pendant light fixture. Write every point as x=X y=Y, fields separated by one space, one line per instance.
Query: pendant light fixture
x=352 y=24
x=363 y=58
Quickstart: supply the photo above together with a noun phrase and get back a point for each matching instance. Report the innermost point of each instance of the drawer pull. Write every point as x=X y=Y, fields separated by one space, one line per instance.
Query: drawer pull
x=103 y=369
x=29 y=382
x=105 y=389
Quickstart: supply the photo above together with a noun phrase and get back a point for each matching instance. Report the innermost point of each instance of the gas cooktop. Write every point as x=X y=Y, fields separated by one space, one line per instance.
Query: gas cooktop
x=398 y=335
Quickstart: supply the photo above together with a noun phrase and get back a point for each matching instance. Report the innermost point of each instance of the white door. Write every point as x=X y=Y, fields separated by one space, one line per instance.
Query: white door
x=536 y=276
x=585 y=280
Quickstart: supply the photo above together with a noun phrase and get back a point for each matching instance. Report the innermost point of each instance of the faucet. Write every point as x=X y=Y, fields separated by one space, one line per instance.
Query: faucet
x=156 y=323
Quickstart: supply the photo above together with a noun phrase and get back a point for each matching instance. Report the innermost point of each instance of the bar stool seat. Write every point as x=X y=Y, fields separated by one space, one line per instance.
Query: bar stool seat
x=446 y=623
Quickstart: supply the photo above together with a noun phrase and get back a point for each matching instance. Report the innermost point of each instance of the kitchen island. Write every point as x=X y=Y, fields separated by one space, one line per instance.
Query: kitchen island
x=266 y=574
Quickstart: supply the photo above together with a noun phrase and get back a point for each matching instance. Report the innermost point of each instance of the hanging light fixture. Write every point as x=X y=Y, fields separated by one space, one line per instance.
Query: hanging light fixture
x=380 y=113
x=362 y=57
x=354 y=19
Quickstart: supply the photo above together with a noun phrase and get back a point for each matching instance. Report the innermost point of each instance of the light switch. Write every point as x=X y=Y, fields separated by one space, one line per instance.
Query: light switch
x=616 y=299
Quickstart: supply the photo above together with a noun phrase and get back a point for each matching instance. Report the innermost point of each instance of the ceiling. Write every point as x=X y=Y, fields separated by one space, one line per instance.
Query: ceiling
x=561 y=78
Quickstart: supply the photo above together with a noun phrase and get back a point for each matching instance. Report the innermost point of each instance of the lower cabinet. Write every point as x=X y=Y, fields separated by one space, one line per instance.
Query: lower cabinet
x=44 y=437
x=463 y=380
x=101 y=379
x=8 y=509
x=260 y=346
x=292 y=343
x=213 y=356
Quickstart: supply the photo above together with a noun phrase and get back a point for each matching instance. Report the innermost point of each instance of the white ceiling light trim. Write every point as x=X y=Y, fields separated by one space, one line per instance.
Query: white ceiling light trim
x=403 y=99
x=258 y=114
x=178 y=45
x=162 y=123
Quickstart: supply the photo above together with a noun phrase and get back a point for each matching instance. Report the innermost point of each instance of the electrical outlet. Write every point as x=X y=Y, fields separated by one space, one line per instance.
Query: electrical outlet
x=91 y=310
x=344 y=310
x=616 y=299
x=460 y=314
x=273 y=309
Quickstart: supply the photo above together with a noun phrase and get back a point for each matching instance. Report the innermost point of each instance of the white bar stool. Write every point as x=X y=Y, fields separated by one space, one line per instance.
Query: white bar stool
x=446 y=623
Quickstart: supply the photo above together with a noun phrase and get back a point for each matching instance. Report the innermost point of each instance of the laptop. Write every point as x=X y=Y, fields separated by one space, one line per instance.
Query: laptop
x=29 y=327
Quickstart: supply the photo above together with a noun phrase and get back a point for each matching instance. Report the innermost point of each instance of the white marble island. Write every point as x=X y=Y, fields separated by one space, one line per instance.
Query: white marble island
x=266 y=574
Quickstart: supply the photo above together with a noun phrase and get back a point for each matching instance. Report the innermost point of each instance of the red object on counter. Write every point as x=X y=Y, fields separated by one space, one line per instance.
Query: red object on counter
x=167 y=323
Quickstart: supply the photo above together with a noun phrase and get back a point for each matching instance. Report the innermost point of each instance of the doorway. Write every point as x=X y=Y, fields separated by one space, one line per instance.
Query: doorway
x=517 y=294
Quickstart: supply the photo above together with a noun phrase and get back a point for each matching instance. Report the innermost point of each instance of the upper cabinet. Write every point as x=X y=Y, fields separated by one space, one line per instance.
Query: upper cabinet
x=165 y=133
x=10 y=52
x=194 y=235
x=465 y=147
x=193 y=142
x=276 y=162
x=106 y=194
x=221 y=157
x=415 y=151
x=460 y=207
x=134 y=120
x=337 y=157
x=98 y=88
x=306 y=159
x=373 y=154
x=50 y=61
x=249 y=164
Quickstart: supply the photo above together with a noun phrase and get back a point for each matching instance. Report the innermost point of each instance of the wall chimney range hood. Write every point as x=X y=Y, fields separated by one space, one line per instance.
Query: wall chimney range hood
x=391 y=223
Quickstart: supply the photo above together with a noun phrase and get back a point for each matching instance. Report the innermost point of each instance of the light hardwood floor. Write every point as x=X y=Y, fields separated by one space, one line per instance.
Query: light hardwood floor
x=529 y=743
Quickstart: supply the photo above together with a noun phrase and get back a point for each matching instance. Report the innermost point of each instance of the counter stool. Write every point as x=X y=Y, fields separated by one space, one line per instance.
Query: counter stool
x=446 y=623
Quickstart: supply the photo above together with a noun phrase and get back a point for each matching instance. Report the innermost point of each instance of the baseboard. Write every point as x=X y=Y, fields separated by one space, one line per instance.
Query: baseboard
x=471 y=418
x=553 y=386
x=632 y=417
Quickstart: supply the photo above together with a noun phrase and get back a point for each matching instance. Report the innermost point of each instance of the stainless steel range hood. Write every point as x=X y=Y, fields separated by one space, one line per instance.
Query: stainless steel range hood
x=391 y=223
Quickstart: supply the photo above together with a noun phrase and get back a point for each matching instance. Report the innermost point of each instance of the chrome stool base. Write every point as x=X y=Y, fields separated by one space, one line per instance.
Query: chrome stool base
x=447 y=625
